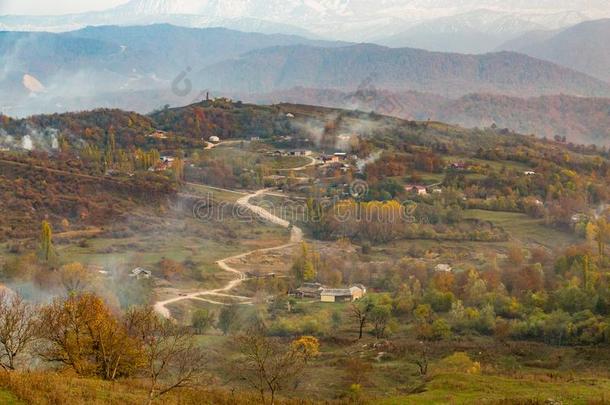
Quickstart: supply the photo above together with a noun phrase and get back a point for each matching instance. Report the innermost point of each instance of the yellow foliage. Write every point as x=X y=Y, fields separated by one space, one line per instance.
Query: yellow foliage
x=460 y=362
x=308 y=346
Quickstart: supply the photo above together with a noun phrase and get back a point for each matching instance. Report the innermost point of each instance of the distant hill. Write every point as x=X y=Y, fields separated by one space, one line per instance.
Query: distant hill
x=580 y=120
x=351 y=67
x=117 y=59
x=583 y=47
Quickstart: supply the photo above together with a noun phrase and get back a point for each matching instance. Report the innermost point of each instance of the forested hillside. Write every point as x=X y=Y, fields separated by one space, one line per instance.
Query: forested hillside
x=579 y=119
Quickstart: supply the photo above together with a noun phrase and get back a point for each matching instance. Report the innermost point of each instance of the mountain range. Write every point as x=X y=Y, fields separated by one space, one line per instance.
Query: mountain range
x=583 y=47
x=145 y=67
x=109 y=59
x=399 y=69
x=444 y=25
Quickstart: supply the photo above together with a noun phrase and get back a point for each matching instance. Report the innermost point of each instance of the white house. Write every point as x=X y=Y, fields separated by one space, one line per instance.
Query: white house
x=354 y=293
x=140 y=273
x=214 y=139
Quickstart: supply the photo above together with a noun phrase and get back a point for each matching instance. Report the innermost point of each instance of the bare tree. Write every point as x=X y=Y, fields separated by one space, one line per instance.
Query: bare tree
x=269 y=365
x=360 y=313
x=171 y=357
x=421 y=361
x=17 y=328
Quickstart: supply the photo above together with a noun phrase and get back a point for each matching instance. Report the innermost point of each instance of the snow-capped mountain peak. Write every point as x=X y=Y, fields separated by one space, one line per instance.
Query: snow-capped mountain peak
x=351 y=20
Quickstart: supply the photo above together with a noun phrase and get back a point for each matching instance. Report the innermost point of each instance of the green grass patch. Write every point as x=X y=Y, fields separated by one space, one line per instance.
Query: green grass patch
x=482 y=389
x=524 y=228
x=8 y=398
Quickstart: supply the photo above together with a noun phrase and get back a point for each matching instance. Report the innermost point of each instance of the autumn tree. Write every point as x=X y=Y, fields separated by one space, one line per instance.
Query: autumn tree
x=46 y=242
x=357 y=370
x=18 y=326
x=303 y=268
x=81 y=332
x=515 y=255
x=178 y=169
x=75 y=278
x=171 y=358
x=171 y=269
x=601 y=236
x=268 y=365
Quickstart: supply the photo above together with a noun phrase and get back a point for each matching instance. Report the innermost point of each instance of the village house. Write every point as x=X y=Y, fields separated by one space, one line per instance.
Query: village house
x=214 y=139
x=140 y=273
x=339 y=156
x=290 y=115
x=354 y=293
x=335 y=158
x=529 y=173
x=300 y=153
x=416 y=189
x=275 y=153
x=309 y=290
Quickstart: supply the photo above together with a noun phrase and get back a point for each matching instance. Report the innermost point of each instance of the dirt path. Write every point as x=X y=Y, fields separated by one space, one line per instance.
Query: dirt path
x=296 y=236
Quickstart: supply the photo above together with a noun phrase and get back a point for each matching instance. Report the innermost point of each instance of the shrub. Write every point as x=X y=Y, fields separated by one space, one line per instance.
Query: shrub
x=460 y=362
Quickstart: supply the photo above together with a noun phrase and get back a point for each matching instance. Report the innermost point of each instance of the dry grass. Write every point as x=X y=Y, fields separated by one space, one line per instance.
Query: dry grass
x=48 y=388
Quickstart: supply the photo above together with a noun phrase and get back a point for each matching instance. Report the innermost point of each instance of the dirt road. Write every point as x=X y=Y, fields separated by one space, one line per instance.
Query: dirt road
x=296 y=236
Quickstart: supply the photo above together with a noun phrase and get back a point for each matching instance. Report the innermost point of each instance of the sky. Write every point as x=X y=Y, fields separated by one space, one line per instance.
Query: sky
x=50 y=7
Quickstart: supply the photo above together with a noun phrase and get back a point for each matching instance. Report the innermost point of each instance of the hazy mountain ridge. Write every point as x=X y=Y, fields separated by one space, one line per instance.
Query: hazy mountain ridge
x=582 y=120
x=426 y=22
x=111 y=59
x=583 y=47
x=347 y=68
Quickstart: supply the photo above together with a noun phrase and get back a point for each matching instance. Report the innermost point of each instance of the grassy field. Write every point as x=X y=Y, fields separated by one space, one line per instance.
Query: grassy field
x=525 y=228
x=493 y=164
x=454 y=388
x=246 y=156
x=201 y=243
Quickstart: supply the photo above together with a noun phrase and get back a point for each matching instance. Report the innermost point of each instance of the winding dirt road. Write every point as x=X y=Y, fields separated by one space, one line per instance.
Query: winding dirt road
x=296 y=236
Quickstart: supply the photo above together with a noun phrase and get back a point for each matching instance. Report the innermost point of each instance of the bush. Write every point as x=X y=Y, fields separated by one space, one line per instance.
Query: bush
x=441 y=329
x=459 y=362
